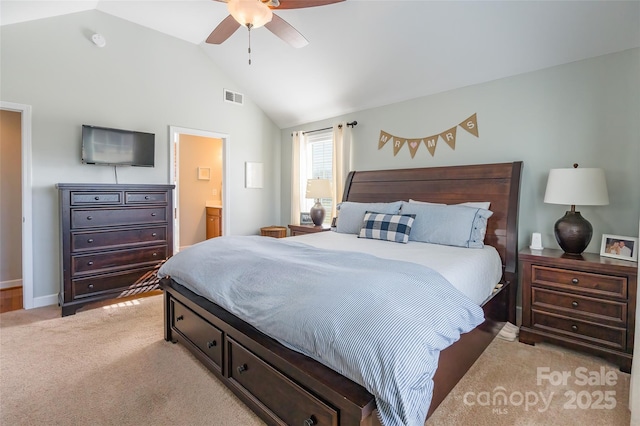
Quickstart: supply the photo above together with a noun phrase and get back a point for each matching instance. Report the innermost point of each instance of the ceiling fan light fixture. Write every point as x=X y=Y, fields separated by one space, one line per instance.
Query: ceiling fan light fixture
x=250 y=12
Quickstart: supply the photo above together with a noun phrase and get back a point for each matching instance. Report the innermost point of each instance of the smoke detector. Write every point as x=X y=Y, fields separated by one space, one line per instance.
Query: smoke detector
x=99 y=40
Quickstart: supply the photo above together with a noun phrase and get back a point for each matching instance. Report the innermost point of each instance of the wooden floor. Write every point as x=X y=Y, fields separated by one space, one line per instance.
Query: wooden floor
x=10 y=299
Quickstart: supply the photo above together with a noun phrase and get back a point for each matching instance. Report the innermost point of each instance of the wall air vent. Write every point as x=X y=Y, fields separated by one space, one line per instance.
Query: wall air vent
x=233 y=97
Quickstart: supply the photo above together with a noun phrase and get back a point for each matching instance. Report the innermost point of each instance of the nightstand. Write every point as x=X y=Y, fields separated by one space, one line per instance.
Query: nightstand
x=586 y=303
x=307 y=229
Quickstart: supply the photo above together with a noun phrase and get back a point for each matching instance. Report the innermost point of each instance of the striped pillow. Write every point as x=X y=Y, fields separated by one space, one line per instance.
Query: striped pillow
x=389 y=227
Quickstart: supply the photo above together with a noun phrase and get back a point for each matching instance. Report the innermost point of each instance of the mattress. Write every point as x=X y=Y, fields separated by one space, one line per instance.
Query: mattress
x=474 y=272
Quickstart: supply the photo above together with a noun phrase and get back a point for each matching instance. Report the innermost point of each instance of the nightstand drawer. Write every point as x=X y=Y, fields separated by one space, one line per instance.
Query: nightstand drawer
x=573 y=304
x=599 y=334
x=584 y=282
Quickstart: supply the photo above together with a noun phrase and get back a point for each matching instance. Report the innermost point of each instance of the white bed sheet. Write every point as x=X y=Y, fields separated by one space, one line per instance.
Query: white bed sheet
x=474 y=272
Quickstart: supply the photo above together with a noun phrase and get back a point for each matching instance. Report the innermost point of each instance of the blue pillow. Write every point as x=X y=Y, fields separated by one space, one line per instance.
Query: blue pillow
x=351 y=214
x=389 y=227
x=456 y=225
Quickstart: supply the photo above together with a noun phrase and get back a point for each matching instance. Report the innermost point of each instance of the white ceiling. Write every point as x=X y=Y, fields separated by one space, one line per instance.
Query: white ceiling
x=369 y=53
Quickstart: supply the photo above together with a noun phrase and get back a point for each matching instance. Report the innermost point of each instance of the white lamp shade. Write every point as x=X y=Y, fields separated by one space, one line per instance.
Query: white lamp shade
x=252 y=12
x=576 y=186
x=318 y=188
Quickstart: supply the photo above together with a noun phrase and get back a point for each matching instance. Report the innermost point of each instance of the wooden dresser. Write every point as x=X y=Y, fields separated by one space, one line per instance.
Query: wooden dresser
x=586 y=303
x=113 y=240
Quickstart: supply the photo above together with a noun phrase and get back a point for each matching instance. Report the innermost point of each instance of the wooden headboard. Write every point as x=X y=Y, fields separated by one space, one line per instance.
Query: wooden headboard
x=497 y=183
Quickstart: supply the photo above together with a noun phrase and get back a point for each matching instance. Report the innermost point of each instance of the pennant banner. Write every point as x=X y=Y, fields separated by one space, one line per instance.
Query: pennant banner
x=448 y=136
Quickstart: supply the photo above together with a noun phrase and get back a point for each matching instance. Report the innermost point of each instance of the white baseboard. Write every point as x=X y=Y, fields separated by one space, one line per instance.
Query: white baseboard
x=39 y=302
x=10 y=283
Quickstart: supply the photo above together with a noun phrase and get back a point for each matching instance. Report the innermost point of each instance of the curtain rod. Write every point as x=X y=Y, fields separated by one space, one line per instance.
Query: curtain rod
x=352 y=124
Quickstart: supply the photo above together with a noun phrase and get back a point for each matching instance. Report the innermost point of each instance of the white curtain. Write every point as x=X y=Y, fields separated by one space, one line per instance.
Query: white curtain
x=298 y=168
x=341 y=161
x=634 y=392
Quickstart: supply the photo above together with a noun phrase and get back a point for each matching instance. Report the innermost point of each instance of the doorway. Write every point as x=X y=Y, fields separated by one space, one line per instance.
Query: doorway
x=17 y=123
x=198 y=182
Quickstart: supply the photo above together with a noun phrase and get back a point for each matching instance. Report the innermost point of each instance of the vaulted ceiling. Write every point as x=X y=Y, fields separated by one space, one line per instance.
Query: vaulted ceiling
x=369 y=53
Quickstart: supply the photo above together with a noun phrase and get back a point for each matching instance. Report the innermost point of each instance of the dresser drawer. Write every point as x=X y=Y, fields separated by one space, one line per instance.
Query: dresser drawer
x=584 y=282
x=84 y=241
x=145 y=197
x=200 y=332
x=572 y=304
x=88 y=218
x=292 y=404
x=117 y=282
x=118 y=259
x=80 y=198
x=599 y=334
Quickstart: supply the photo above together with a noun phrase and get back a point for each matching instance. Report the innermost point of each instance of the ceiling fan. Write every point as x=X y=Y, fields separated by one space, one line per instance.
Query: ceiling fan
x=256 y=13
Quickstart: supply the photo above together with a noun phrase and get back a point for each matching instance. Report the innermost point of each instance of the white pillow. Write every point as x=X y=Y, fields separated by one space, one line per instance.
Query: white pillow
x=477 y=204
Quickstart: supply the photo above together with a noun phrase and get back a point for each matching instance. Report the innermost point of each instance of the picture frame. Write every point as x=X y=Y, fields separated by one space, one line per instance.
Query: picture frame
x=305 y=218
x=619 y=247
x=253 y=175
x=204 y=173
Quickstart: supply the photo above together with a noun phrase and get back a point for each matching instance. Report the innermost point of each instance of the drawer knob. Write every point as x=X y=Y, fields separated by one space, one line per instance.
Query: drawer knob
x=212 y=344
x=89 y=217
x=90 y=286
x=575 y=281
x=310 y=421
x=90 y=263
x=574 y=304
x=97 y=198
x=154 y=234
x=242 y=368
x=146 y=197
x=180 y=318
x=153 y=214
x=90 y=240
x=574 y=327
x=155 y=254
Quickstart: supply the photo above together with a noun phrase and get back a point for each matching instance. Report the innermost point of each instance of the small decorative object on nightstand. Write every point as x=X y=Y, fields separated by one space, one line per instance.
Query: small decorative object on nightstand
x=307 y=229
x=273 y=231
x=585 y=303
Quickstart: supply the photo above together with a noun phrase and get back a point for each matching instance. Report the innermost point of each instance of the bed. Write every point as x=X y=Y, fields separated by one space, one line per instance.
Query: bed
x=284 y=386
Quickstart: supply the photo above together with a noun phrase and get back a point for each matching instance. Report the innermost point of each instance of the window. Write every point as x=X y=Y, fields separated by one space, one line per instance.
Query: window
x=318 y=164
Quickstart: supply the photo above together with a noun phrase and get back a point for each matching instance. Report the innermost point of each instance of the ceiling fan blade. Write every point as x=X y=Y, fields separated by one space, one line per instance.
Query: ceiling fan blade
x=223 y=31
x=299 y=4
x=286 y=32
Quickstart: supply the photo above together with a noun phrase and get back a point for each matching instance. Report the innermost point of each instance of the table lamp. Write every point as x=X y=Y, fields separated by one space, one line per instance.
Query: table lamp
x=318 y=188
x=586 y=187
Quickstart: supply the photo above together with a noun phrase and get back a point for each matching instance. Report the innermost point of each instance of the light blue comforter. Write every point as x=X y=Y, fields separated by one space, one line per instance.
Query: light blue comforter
x=381 y=323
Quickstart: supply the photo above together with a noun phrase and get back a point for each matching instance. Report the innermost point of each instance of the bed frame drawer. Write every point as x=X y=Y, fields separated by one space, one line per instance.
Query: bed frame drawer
x=290 y=403
x=198 y=331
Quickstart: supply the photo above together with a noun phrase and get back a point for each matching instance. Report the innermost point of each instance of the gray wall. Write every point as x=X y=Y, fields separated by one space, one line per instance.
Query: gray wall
x=142 y=80
x=586 y=112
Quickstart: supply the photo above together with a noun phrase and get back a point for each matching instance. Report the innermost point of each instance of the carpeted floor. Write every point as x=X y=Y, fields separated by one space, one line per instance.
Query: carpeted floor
x=106 y=366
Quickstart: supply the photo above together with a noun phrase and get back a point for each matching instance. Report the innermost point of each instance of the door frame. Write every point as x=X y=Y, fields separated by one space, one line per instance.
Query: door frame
x=174 y=161
x=27 y=210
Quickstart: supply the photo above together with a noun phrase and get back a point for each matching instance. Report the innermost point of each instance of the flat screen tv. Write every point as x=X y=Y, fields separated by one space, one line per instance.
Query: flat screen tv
x=116 y=147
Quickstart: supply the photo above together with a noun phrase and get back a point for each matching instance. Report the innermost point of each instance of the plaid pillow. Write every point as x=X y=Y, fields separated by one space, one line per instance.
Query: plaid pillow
x=390 y=227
